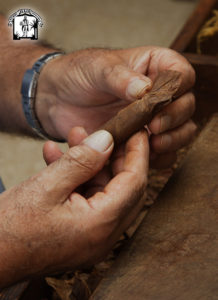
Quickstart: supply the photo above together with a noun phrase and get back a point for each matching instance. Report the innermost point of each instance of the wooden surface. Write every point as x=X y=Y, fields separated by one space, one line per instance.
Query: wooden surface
x=192 y=26
x=206 y=66
x=206 y=87
x=173 y=255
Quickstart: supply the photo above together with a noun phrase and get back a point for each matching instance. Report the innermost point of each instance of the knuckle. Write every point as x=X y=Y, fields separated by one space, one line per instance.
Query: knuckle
x=193 y=128
x=107 y=71
x=184 y=108
x=139 y=183
x=112 y=70
x=183 y=138
x=192 y=101
x=186 y=68
x=172 y=52
x=85 y=160
x=192 y=75
x=178 y=138
x=185 y=135
x=177 y=58
x=191 y=104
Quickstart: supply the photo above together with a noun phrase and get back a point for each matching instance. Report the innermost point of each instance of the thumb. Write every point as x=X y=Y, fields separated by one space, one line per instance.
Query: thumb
x=76 y=166
x=125 y=83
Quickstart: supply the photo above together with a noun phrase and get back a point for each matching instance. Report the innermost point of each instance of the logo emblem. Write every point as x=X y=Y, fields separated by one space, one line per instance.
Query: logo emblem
x=25 y=24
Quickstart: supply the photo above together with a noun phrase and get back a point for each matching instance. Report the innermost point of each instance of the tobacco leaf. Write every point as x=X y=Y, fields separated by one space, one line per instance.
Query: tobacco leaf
x=70 y=289
x=207 y=38
x=139 y=113
x=79 y=285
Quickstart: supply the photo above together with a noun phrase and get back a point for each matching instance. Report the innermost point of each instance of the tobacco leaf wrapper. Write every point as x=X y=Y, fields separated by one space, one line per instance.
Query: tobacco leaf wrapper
x=135 y=116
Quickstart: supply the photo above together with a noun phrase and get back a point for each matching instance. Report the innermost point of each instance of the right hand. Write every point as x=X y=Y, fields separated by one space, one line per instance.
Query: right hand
x=47 y=226
x=88 y=87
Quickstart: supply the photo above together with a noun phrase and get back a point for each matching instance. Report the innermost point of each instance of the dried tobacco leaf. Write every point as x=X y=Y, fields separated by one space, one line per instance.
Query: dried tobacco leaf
x=74 y=288
x=139 y=113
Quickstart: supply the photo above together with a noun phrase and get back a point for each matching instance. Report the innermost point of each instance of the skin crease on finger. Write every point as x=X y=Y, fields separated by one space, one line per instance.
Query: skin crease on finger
x=95 y=224
x=177 y=112
x=156 y=60
x=174 y=139
x=151 y=60
x=139 y=59
x=174 y=114
x=75 y=231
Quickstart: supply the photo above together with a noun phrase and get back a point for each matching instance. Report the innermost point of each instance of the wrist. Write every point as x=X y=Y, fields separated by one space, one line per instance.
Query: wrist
x=37 y=97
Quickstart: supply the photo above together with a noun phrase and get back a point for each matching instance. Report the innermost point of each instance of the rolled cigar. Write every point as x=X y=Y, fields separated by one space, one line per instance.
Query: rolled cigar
x=133 y=117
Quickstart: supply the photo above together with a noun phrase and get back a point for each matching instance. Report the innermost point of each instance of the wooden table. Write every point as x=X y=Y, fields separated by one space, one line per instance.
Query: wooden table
x=174 y=253
x=206 y=66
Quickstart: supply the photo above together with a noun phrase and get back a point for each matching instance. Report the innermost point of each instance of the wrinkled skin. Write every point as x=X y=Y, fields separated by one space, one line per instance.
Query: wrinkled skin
x=85 y=88
x=71 y=213
x=47 y=225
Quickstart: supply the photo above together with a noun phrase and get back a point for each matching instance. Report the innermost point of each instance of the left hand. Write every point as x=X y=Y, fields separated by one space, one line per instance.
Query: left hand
x=47 y=225
x=86 y=88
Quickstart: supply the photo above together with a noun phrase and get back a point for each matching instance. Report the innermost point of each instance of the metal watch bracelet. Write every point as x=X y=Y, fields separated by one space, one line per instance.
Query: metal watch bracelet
x=28 y=91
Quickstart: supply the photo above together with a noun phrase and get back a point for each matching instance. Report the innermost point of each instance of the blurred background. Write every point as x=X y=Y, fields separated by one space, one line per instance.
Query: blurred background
x=76 y=24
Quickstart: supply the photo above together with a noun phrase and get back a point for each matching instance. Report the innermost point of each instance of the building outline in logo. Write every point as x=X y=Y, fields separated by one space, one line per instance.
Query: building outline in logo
x=25 y=24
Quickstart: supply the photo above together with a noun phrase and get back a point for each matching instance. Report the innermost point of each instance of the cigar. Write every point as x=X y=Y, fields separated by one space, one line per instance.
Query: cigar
x=135 y=116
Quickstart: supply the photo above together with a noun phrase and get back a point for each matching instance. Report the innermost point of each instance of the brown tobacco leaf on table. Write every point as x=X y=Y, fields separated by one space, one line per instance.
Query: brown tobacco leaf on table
x=80 y=285
x=70 y=289
x=135 y=116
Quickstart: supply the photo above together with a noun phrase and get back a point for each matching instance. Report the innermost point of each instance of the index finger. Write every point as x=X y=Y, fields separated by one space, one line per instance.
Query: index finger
x=127 y=187
x=151 y=60
x=168 y=59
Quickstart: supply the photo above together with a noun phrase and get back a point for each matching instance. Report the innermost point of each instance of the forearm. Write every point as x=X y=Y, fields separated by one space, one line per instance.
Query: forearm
x=15 y=58
x=11 y=252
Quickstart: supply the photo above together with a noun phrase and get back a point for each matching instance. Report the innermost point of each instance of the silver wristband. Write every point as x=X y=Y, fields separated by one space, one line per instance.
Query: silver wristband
x=28 y=91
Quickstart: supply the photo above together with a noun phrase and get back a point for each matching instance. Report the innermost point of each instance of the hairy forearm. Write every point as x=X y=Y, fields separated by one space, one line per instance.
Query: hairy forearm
x=15 y=58
x=11 y=252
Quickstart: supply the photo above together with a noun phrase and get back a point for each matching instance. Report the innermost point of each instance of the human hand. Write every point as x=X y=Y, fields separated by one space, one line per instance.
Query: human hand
x=47 y=226
x=86 y=88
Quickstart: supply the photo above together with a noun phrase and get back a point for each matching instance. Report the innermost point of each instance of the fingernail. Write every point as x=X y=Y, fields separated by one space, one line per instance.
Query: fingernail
x=166 y=140
x=138 y=87
x=165 y=122
x=100 y=140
